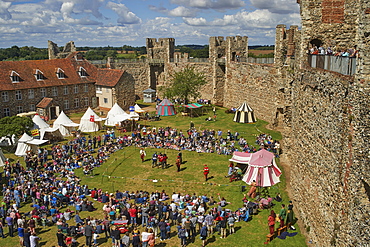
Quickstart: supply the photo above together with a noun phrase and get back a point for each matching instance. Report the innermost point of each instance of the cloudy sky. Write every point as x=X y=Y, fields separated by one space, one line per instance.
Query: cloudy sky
x=129 y=22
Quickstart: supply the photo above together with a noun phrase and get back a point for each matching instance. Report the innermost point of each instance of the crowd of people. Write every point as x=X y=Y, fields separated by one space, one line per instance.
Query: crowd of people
x=340 y=52
x=48 y=182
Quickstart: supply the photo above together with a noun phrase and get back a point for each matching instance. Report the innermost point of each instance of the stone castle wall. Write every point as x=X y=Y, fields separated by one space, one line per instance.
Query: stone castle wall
x=137 y=72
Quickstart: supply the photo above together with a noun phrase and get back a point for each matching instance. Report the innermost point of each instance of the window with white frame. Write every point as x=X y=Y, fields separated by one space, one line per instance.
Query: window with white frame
x=60 y=73
x=19 y=109
x=5 y=96
x=66 y=104
x=98 y=89
x=75 y=88
x=43 y=92
x=39 y=75
x=18 y=95
x=6 y=112
x=31 y=93
x=32 y=107
x=82 y=72
x=86 y=101
x=65 y=90
x=77 y=102
x=54 y=91
x=86 y=87
x=14 y=76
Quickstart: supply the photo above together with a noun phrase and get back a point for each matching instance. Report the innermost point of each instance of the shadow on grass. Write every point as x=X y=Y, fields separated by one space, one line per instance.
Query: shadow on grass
x=182 y=169
x=211 y=239
x=211 y=177
x=184 y=162
x=43 y=231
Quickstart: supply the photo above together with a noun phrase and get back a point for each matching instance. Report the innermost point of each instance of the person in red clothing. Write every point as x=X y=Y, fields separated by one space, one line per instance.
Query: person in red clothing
x=178 y=163
x=164 y=164
x=205 y=172
x=160 y=159
x=133 y=214
x=271 y=222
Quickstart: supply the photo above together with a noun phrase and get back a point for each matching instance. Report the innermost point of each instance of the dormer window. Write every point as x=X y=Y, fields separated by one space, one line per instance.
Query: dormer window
x=79 y=57
x=82 y=72
x=14 y=76
x=39 y=75
x=60 y=74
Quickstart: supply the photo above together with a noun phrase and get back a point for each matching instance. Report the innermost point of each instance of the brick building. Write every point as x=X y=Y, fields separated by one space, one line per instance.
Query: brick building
x=48 y=86
x=115 y=86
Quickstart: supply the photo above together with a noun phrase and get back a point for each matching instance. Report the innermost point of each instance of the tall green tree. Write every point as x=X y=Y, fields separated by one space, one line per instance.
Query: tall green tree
x=185 y=84
x=15 y=125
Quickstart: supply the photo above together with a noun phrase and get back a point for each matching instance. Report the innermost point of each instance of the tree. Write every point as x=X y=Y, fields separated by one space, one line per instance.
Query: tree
x=185 y=84
x=15 y=125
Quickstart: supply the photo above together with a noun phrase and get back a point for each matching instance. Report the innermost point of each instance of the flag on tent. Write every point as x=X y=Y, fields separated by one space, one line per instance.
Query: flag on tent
x=35 y=132
x=92 y=118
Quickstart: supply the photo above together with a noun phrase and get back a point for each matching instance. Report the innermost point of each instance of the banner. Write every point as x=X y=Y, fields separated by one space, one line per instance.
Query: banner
x=35 y=132
x=92 y=118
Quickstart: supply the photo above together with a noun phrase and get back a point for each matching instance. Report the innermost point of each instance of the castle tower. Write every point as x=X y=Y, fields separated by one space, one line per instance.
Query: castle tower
x=161 y=49
x=54 y=52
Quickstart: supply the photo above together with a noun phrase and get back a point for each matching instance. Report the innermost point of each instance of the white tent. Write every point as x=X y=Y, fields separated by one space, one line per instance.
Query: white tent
x=116 y=115
x=27 y=143
x=65 y=124
x=45 y=128
x=138 y=109
x=2 y=158
x=90 y=121
x=244 y=114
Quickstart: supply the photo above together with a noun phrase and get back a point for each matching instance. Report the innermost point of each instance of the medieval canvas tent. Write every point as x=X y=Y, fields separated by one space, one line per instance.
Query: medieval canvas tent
x=65 y=124
x=90 y=121
x=45 y=130
x=166 y=108
x=240 y=157
x=26 y=143
x=138 y=109
x=262 y=169
x=116 y=115
x=2 y=158
x=244 y=114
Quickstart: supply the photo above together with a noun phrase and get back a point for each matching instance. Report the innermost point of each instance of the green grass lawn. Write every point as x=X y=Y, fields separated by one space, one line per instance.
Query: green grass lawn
x=125 y=171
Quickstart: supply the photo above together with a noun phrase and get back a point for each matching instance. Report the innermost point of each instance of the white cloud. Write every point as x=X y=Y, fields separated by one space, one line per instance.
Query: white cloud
x=277 y=6
x=181 y=11
x=125 y=15
x=4 y=12
x=211 y=4
x=196 y=21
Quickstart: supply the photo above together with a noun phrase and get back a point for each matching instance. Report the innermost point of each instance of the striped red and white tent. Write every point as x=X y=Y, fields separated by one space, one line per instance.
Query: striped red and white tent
x=240 y=157
x=166 y=108
x=244 y=114
x=262 y=169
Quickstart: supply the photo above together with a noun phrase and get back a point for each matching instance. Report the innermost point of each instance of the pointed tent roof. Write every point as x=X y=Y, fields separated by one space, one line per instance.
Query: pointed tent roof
x=25 y=137
x=244 y=114
x=138 y=109
x=64 y=120
x=116 y=115
x=262 y=169
x=166 y=108
x=40 y=122
x=89 y=112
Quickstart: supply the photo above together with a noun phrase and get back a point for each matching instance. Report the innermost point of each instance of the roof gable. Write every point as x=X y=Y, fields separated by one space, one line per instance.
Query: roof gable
x=26 y=71
x=109 y=77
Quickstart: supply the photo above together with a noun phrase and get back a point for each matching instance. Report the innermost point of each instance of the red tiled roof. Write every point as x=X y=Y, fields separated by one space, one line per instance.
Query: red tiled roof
x=109 y=77
x=26 y=69
x=44 y=102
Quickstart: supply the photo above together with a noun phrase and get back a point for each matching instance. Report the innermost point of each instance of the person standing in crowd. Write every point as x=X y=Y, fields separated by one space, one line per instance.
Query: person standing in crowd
x=178 y=164
x=60 y=238
x=88 y=234
x=205 y=172
x=154 y=159
x=282 y=215
x=142 y=154
x=290 y=215
x=271 y=222
x=34 y=240
x=203 y=234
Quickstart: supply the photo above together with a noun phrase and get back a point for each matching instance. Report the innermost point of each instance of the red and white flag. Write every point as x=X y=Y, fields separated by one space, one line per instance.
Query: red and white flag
x=92 y=118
